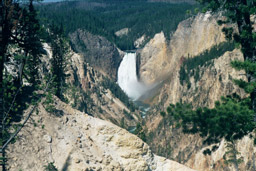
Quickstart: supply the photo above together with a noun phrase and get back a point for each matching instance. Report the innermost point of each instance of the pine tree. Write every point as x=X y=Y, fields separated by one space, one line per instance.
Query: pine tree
x=59 y=59
x=26 y=36
x=8 y=11
x=6 y=15
x=231 y=119
x=34 y=45
x=17 y=27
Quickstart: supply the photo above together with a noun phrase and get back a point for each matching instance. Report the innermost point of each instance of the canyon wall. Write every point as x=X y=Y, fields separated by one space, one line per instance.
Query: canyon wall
x=97 y=51
x=215 y=81
x=161 y=60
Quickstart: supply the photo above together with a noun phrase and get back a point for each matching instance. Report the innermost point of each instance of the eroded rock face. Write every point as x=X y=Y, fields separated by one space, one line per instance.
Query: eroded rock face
x=154 y=60
x=160 y=59
x=81 y=142
x=98 y=51
x=140 y=41
x=215 y=80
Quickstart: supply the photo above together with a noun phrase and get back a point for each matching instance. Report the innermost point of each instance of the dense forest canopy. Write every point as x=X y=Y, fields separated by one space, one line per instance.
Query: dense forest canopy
x=107 y=17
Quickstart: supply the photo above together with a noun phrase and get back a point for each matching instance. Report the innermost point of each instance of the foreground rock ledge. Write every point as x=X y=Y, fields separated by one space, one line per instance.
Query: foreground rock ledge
x=76 y=141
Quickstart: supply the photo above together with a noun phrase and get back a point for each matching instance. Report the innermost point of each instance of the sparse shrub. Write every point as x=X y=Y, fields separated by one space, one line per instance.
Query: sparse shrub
x=48 y=103
x=50 y=167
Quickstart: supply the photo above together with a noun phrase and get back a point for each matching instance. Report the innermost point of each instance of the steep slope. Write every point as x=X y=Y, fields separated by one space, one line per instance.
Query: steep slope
x=94 y=93
x=162 y=61
x=215 y=81
x=97 y=51
x=76 y=141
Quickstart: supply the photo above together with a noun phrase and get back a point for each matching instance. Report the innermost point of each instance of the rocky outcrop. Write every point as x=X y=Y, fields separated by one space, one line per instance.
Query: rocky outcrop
x=154 y=60
x=140 y=41
x=160 y=59
x=97 y=51
x=76 y=141
x=122 y=32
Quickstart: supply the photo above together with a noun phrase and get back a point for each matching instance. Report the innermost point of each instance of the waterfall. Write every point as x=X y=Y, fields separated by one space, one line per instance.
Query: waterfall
x=127 y=77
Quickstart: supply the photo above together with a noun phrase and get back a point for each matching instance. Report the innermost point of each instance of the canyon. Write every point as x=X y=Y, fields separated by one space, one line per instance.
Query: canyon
x=83 y=134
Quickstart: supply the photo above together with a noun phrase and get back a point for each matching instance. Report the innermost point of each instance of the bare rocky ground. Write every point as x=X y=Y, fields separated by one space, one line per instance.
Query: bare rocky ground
x=75 y=141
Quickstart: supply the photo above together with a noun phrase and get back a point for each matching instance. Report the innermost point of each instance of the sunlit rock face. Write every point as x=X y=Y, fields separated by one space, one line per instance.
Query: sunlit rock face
x=161 y=58
x=78 y=142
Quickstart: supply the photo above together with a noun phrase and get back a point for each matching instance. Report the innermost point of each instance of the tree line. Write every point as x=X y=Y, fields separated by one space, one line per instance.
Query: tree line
x=142 y=18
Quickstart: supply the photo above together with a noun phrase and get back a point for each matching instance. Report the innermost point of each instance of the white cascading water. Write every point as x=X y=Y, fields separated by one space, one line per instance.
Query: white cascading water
x=127 y=77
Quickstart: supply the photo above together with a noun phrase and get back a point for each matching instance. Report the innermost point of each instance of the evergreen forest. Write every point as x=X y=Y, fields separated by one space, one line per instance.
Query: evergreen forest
x=107 y=17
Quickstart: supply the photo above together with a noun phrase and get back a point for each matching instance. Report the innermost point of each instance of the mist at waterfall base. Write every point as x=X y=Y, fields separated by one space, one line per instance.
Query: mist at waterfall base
x=127 y=78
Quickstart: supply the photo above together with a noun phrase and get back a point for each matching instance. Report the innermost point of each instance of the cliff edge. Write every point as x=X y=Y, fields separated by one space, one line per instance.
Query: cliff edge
x=73 y=140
